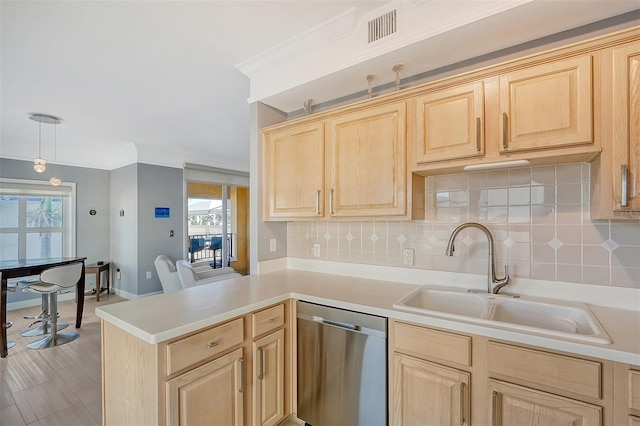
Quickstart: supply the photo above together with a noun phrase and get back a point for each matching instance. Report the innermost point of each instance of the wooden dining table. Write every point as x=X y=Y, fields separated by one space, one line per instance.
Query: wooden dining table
x=27 y=267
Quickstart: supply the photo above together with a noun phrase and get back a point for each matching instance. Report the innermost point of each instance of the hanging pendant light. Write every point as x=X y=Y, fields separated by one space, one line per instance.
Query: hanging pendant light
x=55 y=181
x=39 y=165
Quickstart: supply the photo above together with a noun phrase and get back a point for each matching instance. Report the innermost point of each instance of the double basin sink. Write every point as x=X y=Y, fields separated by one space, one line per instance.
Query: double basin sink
x=567 y=320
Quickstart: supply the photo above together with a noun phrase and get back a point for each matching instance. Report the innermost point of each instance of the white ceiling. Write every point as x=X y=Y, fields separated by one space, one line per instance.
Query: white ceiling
x=157 y=82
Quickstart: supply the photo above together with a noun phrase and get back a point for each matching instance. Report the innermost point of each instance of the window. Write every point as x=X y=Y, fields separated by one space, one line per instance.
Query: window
x=36 y=219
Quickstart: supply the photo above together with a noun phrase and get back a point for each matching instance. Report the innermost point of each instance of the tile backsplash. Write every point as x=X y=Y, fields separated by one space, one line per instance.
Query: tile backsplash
x=539 y=217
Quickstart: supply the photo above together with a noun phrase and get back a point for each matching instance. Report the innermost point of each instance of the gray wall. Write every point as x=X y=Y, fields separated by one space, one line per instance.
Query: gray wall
x=92 y=191
x=261 y=116
x=124 y=229
x=138 y=237
x=158 y=187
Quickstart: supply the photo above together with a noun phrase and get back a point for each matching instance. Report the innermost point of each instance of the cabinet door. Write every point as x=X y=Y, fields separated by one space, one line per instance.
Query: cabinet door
x=547 y=106
x=269 y=368
x=626 y=127
x=211 y=394
x=429 y=394
x=294 y=172
x=367 y=162
x=517 y=405
x=449 y=123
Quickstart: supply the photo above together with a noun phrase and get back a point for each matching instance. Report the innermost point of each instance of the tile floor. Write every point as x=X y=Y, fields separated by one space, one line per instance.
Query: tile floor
x=54 y=386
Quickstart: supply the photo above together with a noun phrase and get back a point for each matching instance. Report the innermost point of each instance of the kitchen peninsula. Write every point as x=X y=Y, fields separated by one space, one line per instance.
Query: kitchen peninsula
x=142 y=358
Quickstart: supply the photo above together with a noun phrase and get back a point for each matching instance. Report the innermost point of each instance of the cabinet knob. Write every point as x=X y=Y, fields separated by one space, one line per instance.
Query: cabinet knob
x=213 y=344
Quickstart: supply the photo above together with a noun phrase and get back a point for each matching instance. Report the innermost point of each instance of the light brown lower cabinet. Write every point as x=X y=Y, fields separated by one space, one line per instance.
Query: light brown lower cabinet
x=517 y=405
x=232 y=373
x=211 y=391
x=426 y=393
x=627 y=394
x=440 y=377
x=269 y=368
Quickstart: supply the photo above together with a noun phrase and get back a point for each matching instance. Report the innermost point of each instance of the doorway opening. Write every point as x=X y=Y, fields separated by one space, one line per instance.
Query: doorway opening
x=218 y=225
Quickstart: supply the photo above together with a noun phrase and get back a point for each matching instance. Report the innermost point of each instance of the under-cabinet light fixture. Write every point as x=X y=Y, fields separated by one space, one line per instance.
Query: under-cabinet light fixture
x=499 y=165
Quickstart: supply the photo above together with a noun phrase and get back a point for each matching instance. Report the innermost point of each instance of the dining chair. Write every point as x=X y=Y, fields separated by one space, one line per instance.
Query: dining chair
x=52 y=281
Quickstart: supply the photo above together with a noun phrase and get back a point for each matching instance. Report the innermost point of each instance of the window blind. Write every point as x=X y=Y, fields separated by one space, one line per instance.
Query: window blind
x=206 y=174
x=44 y=189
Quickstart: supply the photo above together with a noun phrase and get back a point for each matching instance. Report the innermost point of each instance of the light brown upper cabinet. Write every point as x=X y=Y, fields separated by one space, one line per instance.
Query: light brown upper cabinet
x=548 y=105
x=615 y=175
x=294 y=172
x=450 y=123
x=626 y=127
x=531 y=110
x=366 y=162
x=350 y=164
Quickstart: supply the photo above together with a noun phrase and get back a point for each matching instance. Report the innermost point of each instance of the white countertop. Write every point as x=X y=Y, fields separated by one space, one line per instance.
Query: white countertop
x=162 y=317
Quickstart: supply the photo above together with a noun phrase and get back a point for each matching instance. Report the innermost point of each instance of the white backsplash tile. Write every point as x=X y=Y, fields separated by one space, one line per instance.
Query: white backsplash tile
x=539 y=217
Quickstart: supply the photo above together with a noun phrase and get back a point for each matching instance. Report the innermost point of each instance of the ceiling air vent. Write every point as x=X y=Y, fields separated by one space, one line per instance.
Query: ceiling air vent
x=383 y=26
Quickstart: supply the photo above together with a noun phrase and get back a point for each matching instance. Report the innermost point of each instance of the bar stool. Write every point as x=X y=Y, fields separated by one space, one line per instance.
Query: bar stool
x=51 y=281
x=43 y=317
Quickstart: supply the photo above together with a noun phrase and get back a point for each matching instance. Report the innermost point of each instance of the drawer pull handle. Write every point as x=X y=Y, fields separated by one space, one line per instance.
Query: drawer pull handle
x=241 y=361
x=261 y=364
x=478 y=136
x=213 y=344
x=463 y=403
x=505 y=131
x=272 y=320
x=624 y=202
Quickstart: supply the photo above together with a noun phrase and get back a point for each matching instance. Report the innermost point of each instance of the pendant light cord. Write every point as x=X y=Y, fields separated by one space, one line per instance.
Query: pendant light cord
x=39 y=139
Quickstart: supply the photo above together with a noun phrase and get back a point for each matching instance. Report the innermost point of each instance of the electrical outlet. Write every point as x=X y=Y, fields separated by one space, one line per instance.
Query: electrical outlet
x=148 y=275
x=316 y=250
x=272 y=245
x=407 y=256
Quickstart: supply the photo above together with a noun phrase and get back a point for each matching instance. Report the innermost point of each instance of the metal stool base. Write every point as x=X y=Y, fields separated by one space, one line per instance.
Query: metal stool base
x=49 y=342
x=41 y=330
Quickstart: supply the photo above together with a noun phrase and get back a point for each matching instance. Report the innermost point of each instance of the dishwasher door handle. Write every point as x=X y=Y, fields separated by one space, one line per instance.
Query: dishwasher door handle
x=351 y=327
x=355 y=328
x=322 y=320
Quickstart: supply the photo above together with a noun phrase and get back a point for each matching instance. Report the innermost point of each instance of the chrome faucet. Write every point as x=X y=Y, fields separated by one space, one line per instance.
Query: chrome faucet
x=493 y=284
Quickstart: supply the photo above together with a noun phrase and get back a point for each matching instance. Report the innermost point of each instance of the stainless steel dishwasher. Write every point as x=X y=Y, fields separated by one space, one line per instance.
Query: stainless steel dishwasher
x=342 y=367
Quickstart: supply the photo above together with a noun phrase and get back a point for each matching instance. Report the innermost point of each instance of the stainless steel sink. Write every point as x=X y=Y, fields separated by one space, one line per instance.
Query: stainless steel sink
x=566 y=320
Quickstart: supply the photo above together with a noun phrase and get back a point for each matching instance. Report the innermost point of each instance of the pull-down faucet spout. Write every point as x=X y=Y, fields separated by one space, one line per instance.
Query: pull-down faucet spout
x=494 y=284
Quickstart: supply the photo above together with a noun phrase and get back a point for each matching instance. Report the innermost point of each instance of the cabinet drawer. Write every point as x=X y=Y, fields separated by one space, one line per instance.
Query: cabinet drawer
x=634 y=390
x=193 y=349
x=267 y=320
x=579 y=376
x=421 y=341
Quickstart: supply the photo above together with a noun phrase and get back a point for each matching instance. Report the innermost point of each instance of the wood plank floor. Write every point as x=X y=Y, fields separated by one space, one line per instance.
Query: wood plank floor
x=54 y=386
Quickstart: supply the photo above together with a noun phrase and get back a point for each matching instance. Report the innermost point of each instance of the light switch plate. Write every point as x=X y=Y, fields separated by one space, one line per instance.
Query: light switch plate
x=316 y=250
x=272 y=245
x=148 y=275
